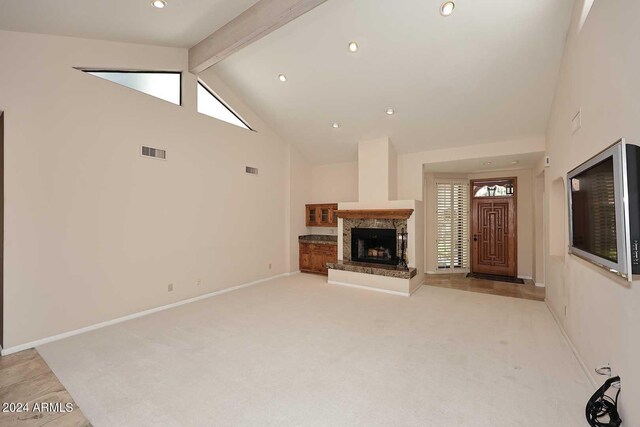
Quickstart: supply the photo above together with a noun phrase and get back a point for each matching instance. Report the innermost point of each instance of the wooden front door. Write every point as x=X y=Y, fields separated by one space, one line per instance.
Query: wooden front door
x=493 y=235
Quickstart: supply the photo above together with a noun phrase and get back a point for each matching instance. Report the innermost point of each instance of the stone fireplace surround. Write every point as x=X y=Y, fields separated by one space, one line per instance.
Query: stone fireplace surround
x=350 y=223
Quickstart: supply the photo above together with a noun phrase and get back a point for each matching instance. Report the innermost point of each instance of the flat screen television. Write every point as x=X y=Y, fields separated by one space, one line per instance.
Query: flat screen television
x=604 y=209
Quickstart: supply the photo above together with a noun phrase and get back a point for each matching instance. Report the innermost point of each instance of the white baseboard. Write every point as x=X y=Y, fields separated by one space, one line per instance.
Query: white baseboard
x=525 y=277
x=540 y=285
x=418 y=287
x=583 y=365
x=368 y=288
x=100 y=325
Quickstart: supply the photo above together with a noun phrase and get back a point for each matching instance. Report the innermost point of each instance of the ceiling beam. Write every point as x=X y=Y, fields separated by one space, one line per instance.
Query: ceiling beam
x=254 y=23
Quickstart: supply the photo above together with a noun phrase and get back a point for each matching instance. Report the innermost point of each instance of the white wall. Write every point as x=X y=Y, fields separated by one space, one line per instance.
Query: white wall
x=410 y=166
x=93 y=231
x=376 y=169
x=333 y=183
x=599 y=74
x=299 y=195
x=538 y=227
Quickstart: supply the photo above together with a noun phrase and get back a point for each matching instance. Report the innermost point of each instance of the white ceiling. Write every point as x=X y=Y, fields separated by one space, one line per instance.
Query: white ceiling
x=486 y=164
x=487 y=73
x=182 y=23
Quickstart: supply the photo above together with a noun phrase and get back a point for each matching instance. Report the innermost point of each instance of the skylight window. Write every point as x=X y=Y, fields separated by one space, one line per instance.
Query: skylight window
x=209 y=104
x=165 y=85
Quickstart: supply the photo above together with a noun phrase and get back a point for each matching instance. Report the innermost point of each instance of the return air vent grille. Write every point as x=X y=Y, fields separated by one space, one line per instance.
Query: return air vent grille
x=154 y=152
x=253 y=171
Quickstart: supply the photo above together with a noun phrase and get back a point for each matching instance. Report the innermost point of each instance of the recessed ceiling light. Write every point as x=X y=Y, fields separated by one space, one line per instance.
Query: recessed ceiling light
x=447 y=8
x=282 y=78
x=335 y=125
x=390 y=111
x=515 y=162
x=353 y=46
x=486 y=163
x=159 y=4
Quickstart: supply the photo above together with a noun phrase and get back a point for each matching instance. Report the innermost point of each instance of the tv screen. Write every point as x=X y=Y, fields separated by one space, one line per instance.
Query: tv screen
x=593 y=201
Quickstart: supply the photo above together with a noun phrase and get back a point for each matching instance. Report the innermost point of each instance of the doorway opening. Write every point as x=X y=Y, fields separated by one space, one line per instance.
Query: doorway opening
x=494 y=227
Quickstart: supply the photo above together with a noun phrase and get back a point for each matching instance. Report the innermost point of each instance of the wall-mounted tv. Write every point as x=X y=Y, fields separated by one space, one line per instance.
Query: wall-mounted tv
x=604 y=209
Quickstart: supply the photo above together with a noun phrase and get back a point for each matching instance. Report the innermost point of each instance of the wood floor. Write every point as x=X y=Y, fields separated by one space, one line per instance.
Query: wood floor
x=26 y=380
x=458 y=281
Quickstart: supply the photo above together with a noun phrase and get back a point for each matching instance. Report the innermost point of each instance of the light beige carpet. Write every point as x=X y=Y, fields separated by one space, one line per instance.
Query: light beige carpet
x=298 y=352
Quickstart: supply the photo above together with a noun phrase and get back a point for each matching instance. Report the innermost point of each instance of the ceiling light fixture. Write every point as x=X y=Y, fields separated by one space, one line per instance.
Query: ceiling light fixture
x=515 y=162
x=447 y=8
x=335 y=125
x=486 y=163
x=159 y=4
x=390 y=111
x=353 y=46
x=282 y=78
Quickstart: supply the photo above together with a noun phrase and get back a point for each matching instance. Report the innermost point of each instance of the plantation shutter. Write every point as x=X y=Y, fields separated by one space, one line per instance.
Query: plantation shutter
x=452 y=218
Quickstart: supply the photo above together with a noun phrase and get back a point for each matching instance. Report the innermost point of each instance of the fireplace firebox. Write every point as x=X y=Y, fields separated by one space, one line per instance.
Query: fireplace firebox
x=374 y=245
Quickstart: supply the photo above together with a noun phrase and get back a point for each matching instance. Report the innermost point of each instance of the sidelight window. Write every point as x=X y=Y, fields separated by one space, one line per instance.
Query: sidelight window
x=452 y=219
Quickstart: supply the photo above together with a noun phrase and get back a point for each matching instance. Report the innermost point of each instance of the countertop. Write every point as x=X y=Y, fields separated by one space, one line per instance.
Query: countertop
x=322 y=239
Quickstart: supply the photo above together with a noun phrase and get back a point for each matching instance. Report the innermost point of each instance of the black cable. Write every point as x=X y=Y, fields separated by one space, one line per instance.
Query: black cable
x=601 y=405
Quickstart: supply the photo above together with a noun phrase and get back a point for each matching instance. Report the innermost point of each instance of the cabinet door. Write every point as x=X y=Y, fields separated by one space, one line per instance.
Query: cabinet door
x=305 y=261
x=324 y=219
x=312 y=217
x=332 y=254
x=333 y=218
x=316 y=261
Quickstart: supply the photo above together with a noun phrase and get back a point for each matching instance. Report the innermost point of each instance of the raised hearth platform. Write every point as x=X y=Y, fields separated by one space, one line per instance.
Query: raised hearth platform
x=376 y=269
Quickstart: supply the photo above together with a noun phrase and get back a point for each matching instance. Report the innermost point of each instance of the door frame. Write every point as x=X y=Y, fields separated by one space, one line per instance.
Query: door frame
x=472 y=229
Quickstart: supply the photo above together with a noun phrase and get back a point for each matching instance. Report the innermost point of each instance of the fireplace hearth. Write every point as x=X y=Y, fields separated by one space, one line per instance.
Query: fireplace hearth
x=374 y=245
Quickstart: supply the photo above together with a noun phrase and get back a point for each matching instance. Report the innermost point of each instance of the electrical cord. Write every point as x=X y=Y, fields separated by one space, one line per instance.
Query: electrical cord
x=601 y=405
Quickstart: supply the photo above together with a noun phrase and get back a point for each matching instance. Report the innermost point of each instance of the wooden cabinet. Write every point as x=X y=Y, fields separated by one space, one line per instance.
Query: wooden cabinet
x=314 y=257
x=321 y=215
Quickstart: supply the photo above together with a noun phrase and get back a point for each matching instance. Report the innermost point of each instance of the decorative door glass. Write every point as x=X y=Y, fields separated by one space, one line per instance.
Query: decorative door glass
x=494 y=188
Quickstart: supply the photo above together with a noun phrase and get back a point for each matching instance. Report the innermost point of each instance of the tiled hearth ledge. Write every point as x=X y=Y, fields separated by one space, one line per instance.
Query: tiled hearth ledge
x=377 y=269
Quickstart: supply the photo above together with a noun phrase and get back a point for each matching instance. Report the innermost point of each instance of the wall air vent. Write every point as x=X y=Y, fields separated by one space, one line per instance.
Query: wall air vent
x=156 y=153
x=253 y=171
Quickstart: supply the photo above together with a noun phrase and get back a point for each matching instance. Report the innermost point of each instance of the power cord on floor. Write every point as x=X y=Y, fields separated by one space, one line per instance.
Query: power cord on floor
x=602 y=405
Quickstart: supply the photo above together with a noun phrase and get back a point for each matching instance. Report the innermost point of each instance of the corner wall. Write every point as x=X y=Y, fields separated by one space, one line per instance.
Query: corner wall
x=334 y=183
x=599 y=312
x=96 y=232
x=300 y=182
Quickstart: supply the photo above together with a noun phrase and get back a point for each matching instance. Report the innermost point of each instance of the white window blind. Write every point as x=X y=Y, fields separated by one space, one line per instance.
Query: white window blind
x=452 y=218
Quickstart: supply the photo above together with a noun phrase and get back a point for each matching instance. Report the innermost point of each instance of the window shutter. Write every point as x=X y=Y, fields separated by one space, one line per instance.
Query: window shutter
x=452 y=218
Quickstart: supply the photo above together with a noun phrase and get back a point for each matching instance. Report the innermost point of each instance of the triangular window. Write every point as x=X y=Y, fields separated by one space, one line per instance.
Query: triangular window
x=209 y=104
x=165 y=85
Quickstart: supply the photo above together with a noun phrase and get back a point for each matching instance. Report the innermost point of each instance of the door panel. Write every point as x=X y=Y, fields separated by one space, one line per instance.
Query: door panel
x=317 y=260
x=494 y=236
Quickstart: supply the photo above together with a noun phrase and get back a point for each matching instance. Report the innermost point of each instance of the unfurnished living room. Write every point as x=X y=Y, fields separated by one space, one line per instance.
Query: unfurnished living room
x=320 y=213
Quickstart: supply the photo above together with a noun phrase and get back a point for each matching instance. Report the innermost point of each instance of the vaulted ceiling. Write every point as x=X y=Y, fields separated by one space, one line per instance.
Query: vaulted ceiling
x=486 y=73
x=182 y=23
